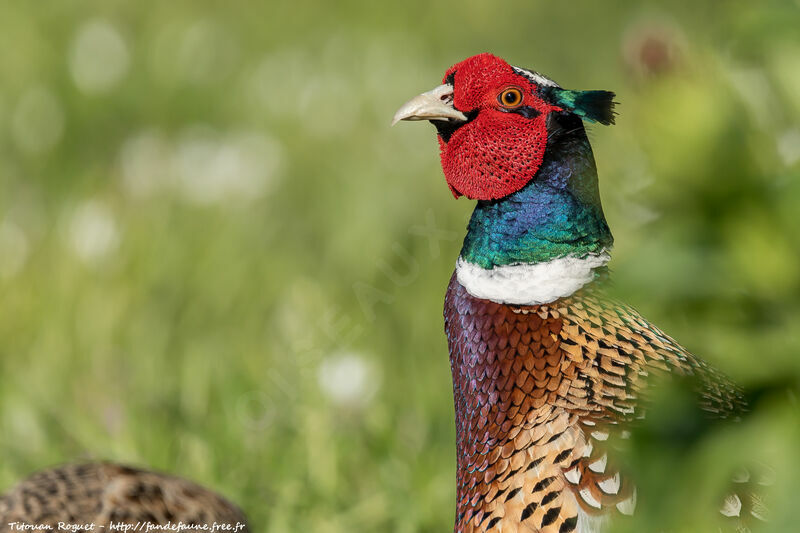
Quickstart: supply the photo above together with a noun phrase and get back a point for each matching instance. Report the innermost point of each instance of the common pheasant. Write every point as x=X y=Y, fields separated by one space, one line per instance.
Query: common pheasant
x=549 y=372
x=96 y=496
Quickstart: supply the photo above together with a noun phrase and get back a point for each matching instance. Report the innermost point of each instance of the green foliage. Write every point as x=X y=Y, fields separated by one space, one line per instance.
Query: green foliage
x=216 y=258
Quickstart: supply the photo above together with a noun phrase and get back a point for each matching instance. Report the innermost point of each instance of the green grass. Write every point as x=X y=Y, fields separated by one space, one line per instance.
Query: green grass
x=188 y=249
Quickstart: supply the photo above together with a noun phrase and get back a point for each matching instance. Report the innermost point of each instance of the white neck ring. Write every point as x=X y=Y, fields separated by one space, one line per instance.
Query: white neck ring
x=530 y=283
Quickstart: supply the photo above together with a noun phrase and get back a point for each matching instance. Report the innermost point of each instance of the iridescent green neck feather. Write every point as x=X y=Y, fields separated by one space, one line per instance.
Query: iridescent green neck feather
x=557 y=214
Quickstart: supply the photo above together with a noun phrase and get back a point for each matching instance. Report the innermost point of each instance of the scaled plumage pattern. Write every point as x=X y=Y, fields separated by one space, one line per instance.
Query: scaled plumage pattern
x=105 y=493
x=546 y=390
x=542 y=393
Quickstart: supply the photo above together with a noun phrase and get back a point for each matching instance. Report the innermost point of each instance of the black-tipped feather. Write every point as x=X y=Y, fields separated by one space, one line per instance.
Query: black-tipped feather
x=596 y=106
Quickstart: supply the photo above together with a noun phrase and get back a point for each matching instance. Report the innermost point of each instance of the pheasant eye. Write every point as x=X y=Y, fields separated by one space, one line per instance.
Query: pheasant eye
x=511 y=97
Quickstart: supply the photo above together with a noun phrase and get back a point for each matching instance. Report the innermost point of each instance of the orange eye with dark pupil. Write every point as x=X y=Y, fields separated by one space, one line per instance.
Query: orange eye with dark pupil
x=510 y=98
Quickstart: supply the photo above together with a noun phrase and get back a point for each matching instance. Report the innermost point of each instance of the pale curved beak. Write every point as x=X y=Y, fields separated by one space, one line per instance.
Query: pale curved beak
x=436 y=104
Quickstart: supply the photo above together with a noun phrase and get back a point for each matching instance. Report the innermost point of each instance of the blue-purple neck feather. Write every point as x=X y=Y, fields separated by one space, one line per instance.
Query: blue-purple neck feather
x=556 y=214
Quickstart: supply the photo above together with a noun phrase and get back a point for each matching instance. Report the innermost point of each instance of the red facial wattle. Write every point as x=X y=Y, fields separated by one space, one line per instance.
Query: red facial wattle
x=499 y=150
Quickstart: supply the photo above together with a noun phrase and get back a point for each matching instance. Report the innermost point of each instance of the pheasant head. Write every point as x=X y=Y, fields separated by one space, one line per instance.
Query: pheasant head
x=494 y=121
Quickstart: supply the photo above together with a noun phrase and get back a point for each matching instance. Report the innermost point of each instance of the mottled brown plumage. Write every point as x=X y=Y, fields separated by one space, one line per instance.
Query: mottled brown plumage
x=105 y=493
x=542 y=394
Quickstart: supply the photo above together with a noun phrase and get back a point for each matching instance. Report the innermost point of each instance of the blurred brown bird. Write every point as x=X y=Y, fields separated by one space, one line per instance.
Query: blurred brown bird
x=84 y=497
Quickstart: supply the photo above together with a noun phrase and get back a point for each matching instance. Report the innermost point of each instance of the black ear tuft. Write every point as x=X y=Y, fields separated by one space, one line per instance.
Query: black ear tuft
x=597 y=106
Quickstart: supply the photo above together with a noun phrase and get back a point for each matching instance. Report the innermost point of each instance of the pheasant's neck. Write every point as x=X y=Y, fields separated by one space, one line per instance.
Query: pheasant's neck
x=545 y=240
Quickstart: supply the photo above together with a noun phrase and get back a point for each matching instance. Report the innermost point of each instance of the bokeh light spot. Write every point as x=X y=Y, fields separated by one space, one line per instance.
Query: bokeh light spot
x=348 y=379
x=98 y=58
x=92 y=232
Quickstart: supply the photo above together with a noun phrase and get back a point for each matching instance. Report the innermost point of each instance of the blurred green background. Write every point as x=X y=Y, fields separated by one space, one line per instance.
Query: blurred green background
x=216 y=258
